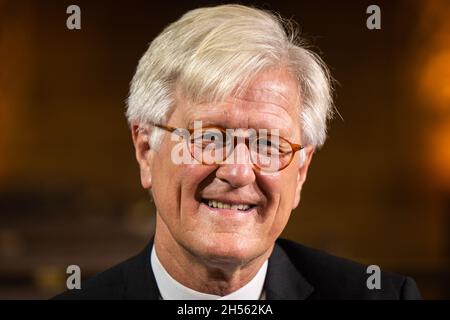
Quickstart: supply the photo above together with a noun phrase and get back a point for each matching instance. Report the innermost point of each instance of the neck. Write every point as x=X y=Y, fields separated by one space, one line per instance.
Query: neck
x=200 y=274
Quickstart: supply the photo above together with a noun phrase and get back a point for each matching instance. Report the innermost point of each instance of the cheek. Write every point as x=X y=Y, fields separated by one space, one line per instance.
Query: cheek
x=280 y=191
x=166 y=179
x=175 y=186
x=196 y=176
x=164 y=188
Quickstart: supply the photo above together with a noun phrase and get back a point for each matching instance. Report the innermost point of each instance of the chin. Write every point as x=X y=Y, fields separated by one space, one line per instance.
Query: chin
x=227 y=248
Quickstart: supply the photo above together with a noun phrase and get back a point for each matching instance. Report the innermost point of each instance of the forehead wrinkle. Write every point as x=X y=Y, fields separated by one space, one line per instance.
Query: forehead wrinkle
x=238 y=117
x=266 y=108
x=262 y=101
x=264 y=95
x=237 y=112
x=229 y=108
x=268 y=89
x=199 y=115
x=263 y=107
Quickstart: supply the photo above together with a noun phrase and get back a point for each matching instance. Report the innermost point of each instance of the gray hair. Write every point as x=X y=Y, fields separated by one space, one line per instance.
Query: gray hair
x=209 y=52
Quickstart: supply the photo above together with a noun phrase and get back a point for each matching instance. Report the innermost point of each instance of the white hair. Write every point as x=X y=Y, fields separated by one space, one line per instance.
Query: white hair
x=210 y=52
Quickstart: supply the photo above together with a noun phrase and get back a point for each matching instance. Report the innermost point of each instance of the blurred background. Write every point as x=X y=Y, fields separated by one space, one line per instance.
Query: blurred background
x=378 y=192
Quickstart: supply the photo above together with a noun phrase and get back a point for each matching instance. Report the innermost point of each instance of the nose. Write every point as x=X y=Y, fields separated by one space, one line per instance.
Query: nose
x=238 y=170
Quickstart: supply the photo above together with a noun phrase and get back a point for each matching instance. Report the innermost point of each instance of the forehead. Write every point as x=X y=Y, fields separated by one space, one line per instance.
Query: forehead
x=271 y=100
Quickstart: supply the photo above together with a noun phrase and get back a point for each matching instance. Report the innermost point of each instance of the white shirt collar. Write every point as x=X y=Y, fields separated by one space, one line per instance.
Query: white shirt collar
x=170 y=289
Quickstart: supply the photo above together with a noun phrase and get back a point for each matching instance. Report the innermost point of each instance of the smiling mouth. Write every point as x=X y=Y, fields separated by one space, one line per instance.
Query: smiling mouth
x=214 y=204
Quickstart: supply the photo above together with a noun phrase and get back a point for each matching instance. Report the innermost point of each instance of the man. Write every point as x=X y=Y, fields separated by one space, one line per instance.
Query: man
x=226 y=110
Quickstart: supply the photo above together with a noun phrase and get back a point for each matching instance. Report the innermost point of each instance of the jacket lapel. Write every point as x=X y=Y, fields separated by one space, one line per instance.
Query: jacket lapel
x=283 y=280
x=140 y=280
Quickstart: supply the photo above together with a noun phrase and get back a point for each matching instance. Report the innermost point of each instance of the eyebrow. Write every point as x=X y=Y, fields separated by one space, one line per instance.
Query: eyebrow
x=282 y=132
x=205 y=123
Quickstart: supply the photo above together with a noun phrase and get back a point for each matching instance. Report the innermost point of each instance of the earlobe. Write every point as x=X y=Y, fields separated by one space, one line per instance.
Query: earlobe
x=146 y=176
x=144 y=155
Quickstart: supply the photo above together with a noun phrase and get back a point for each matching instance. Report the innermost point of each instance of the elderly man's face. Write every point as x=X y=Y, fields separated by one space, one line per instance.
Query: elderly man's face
x=182 y=192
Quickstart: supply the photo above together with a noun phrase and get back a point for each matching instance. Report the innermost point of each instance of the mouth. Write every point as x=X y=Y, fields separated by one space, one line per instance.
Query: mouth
x=217 y=205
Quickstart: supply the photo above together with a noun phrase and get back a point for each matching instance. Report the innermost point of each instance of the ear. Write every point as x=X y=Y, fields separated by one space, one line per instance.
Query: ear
x=302 y=172
x=144 y=154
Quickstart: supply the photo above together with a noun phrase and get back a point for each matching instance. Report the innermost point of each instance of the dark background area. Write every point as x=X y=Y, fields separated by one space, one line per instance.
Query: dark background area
x=378 y=192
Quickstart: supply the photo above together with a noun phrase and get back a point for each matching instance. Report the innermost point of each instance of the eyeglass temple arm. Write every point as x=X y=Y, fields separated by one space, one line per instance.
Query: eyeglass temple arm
x=296 y=147
x=167 y=128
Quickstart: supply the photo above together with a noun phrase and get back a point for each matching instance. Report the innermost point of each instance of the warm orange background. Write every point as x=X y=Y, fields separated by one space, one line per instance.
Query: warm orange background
x=378 y=192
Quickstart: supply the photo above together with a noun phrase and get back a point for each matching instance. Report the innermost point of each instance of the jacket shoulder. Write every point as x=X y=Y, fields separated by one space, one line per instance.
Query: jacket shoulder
x=109 y=284
x=338 y=278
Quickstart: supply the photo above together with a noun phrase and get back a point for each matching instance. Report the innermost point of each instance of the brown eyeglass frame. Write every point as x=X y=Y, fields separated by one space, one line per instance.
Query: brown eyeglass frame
x=294 y=146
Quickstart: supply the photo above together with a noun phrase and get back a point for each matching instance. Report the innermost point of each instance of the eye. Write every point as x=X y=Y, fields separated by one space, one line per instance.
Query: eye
x=266 y=146
x=208 y=137
x=212 y=136
x=273 y=146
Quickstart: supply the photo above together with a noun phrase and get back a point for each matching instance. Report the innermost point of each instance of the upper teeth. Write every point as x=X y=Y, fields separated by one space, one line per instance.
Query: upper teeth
x=221 y=205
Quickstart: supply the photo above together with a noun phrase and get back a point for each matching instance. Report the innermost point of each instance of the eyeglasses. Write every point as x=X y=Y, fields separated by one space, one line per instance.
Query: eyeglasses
x=214 y=145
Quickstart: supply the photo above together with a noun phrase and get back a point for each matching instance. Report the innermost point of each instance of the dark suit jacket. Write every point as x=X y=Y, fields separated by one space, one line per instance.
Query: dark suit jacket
x=294 y=272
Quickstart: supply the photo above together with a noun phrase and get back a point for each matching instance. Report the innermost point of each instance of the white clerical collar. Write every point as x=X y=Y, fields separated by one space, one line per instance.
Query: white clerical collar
x=170 y=289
